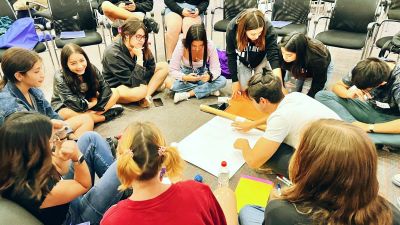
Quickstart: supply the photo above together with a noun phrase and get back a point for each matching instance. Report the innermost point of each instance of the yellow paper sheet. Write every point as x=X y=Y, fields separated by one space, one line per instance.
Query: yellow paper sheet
x=252 y=191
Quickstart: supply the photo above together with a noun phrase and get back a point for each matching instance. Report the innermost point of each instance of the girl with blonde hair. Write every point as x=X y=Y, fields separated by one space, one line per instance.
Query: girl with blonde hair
x=143 y=160
x=334 y=175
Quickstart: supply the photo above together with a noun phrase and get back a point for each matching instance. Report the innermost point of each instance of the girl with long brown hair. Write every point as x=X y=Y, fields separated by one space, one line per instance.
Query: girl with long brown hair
x=251 y=45
x=334 y=175
x=129 y=66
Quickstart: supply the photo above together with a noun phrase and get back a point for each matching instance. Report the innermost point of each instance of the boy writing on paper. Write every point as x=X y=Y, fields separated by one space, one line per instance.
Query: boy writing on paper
x=287 y=116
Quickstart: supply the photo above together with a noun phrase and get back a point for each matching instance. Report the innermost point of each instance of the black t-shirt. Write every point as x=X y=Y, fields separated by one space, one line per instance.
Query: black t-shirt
x=51 y=216
x=281 y=212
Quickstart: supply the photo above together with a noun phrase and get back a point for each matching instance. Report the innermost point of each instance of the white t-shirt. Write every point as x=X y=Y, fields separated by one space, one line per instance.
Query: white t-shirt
x=294 y=112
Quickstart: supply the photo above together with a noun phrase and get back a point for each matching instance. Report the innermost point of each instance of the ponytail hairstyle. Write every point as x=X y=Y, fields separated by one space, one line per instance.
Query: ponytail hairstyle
x=17 y=60
x=142 y=154
x=129 y=28
x=72 y=80
x=196 y=32
x=299 y=43
x=334 y=172
x=250 y=19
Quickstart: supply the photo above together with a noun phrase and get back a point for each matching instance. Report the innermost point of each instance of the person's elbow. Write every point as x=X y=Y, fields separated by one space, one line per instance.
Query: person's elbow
x=254 y=163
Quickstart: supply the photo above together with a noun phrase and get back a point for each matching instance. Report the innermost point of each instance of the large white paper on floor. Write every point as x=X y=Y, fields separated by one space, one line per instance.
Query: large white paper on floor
x=212 y=143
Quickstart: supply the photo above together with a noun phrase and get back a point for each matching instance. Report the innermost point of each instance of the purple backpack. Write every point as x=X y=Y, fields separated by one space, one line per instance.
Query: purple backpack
x=223 y=60
x=21 y=33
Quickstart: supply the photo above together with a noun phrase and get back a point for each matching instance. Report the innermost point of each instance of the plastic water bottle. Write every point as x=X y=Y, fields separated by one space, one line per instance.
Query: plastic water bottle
x=223 y=176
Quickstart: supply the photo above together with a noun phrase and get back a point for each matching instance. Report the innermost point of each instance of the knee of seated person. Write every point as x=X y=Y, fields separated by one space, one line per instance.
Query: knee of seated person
x=323 y=94
x=222 y=80
x=246 y=212
x=163 y=65
x=106 y=6
x=90 y=136
x=86 y=119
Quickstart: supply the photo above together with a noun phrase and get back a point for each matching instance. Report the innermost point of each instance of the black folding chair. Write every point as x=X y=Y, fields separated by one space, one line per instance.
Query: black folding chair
x=295 y=11
x=73 y=16
x=392 y=12
x=7 y=10
x=350 y=25
x=230 y=9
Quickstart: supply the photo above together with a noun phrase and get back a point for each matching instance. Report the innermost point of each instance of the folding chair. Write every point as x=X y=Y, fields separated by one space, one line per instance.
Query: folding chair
x=350 y=25
x=77 y=12
x=295 y=11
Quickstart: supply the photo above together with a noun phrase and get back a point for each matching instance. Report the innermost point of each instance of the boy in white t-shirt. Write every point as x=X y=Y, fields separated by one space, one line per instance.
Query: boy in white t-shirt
x=287 y=117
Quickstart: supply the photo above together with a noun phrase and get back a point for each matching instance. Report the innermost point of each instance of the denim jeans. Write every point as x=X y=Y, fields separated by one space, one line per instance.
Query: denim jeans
x=201 y=89
x=251 y=215
x=104 y=193
x=244 y=73
x=300 y=82
x=351 y=110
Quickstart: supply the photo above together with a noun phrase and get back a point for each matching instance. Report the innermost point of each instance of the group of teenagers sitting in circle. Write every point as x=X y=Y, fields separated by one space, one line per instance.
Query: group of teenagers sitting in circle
x=49 y=157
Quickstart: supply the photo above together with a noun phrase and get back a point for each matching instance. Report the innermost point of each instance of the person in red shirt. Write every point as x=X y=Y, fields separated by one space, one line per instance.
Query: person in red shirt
x=143 y=159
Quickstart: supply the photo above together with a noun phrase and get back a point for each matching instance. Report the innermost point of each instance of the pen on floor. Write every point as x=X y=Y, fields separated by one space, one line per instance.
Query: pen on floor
x=279 y=190
x=283 y=181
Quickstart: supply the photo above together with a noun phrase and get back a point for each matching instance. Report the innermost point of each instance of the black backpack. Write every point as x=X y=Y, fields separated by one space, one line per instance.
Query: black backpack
x=391 y=46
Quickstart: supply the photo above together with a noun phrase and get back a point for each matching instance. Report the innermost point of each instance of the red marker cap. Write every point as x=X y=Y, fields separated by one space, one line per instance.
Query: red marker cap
x=224 y=163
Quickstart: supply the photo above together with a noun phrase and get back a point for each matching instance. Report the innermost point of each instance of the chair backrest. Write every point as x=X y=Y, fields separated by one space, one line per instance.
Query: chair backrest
x=353 y=17
x=7 y=10
x=79 y=11
x=11 y=213
x=233 y=7
x=295 y=11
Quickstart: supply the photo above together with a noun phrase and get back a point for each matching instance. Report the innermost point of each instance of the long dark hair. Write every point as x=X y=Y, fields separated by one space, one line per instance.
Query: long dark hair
x=334 y=172
x=299 y=43
x=130 y=27
x=196 y=32
x=25 y=154
x=17 y=60
x=72 y=80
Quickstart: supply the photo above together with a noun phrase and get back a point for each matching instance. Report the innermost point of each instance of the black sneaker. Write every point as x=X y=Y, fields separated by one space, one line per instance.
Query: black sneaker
x=151 y=25
x=113 y=113
x=113 y=143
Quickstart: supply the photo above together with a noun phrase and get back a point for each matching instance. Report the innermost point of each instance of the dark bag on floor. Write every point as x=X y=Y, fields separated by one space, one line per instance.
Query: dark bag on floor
x=391 y=46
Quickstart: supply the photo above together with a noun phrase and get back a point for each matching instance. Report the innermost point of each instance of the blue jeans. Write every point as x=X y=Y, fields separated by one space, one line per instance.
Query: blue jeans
x=351 y=110
x=104 y=193
x=300 y=82
x=251 y=215
x=201 y=89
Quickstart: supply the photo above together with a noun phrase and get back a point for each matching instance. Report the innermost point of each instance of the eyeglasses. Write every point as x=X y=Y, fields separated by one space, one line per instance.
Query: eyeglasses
x=139 y=37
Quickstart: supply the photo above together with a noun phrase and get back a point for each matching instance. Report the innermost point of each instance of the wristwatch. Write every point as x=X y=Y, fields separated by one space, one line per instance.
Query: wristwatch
x=80 y=159
x=371 y=128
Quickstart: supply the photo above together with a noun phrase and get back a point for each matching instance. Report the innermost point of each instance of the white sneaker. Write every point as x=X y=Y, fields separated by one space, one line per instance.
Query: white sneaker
x=180 y=96
x=216 y=93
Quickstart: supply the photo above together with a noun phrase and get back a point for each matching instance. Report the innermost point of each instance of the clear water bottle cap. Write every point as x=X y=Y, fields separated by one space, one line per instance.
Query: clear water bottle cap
x=224 y=163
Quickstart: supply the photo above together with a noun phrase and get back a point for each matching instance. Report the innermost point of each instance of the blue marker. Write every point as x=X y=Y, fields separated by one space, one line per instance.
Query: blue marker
x=279 y=190
x=198 y=178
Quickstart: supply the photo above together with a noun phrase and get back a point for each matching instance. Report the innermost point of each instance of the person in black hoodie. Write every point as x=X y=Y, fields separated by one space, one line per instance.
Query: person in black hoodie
x=179 y=16
x=129 y=66
x=251 y=45
x=305 y=57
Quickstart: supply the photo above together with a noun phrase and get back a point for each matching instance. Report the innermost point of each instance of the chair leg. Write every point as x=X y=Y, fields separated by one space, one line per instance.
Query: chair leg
x=55 y=53
x=155 y=47
x=98 y=47
x=51 y=56
x=165 y=47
